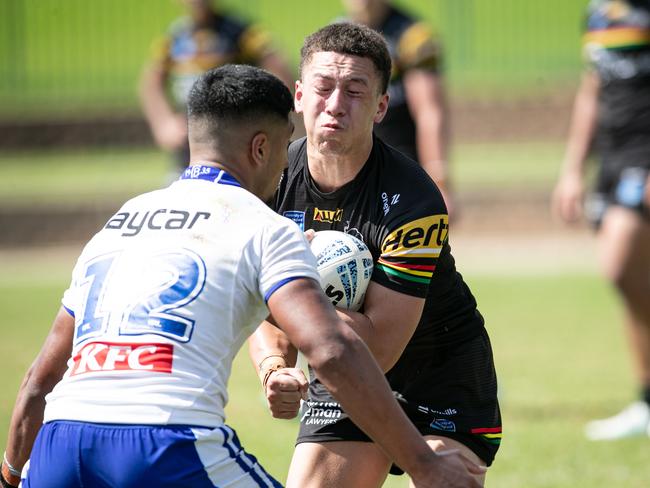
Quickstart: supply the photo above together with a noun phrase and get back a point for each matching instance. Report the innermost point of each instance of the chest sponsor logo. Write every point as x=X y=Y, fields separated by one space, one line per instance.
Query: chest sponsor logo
x=423 y=237
x=297 y=216
x=131 y=223
x=329 y=216
x=108 y=356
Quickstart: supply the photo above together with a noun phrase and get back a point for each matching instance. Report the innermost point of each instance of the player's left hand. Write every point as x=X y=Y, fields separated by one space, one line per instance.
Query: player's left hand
x=284 y=390
x=309 y=234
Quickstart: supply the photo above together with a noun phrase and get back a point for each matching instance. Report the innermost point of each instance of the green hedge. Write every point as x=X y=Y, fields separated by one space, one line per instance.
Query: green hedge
x=74 y=55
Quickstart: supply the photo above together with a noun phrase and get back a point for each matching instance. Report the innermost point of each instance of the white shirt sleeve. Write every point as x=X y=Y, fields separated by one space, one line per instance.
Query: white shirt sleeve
x=285 y=255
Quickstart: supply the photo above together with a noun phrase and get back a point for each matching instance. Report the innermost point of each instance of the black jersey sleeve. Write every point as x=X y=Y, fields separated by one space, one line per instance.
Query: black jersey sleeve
x=412 y=234
x=410 y=252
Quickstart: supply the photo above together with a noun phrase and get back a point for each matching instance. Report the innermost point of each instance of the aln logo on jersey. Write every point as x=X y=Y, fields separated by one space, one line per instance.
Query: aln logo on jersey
x=419 y=238
x=329 y=216
x=110 y=356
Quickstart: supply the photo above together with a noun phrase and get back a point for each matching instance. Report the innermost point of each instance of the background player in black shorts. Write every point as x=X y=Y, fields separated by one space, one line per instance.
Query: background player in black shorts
x=417 y=119
x=612 y=110
x=203 y=39
x=419 y=318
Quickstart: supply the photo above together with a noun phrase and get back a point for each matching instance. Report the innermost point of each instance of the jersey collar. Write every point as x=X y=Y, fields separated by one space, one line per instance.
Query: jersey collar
x=209 y=173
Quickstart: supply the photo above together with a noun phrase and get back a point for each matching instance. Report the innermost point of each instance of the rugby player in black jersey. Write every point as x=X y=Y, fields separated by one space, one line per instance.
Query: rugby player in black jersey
x=419 y=318
x=612 y=114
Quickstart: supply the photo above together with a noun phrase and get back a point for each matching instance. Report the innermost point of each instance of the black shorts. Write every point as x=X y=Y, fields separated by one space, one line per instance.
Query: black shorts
x=624 y=187
x=452 y=393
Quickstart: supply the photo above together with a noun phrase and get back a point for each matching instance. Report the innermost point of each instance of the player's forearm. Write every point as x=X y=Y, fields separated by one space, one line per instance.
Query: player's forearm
x=270 y=347
x=582 y=127
x=431 y=140
x=26 y=420
x=382 y=351
x=152 y=96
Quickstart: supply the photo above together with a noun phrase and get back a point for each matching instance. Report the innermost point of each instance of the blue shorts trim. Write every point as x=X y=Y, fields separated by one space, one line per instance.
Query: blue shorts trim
x=79 y=455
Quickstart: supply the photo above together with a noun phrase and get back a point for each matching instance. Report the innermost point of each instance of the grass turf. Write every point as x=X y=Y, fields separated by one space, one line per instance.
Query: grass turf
x=86 y=175
x=559 y=352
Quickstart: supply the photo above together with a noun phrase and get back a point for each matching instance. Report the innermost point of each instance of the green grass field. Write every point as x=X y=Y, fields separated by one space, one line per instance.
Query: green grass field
x=559 y=353
x=87 y=175
x=557 y=337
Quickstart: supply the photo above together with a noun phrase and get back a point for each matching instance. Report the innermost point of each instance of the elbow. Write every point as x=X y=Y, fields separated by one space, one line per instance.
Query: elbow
x=385 y=358
x=35 y=386
x=337 y=353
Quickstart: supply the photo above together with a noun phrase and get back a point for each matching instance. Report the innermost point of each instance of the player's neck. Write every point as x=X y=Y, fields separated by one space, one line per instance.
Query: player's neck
x=332 y=169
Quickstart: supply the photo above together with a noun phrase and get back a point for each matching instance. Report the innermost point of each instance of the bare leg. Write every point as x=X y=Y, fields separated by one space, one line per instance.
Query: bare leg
x=624 y=242
x=444 y=444
x=337 y=465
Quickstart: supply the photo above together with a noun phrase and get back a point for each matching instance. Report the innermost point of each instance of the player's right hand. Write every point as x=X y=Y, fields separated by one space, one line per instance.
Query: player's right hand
x=284 y=390
x=567 y=198
x=450 y=470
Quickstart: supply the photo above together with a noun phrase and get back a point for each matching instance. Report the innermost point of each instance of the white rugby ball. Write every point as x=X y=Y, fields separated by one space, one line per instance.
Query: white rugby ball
x=345 y=266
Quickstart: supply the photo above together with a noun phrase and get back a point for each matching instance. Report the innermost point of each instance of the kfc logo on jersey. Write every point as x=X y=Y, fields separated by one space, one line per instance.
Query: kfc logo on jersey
x=109 y=356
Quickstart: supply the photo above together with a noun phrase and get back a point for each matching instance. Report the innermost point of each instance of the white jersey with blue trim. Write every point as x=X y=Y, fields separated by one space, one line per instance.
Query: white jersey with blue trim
x=165 y=295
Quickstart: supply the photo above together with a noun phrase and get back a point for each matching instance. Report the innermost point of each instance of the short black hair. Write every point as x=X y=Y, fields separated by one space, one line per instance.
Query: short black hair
x=352 y=39
x=237 y=92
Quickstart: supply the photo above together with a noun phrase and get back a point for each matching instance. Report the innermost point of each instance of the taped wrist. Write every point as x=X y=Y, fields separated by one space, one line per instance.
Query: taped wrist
x=269 y=365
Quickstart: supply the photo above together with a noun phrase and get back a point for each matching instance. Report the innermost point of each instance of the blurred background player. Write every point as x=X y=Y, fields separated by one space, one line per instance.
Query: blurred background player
x=417 y=119
x=203 y=39
x=137 y=362
x=612 y=111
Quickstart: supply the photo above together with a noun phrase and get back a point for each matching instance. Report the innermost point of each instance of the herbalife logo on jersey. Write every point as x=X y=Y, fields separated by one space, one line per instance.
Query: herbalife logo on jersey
x=329 y=216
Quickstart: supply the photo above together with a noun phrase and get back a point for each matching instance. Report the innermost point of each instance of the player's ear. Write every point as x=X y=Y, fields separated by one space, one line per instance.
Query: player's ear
x=259 y=148
x=297 y=98
x=382 y=108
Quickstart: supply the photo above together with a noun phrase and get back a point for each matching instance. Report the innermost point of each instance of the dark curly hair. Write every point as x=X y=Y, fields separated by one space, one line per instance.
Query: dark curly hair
x=237 y=93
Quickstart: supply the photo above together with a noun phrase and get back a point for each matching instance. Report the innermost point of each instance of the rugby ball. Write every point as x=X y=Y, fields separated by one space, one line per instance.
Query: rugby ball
x=345 y=264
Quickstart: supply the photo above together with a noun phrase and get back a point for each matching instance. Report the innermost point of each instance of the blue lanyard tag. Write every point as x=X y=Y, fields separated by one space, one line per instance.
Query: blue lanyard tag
x=209 y=173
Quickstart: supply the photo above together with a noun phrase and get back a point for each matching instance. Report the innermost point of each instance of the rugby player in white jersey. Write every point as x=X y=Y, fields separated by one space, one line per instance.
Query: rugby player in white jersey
x=137 y=361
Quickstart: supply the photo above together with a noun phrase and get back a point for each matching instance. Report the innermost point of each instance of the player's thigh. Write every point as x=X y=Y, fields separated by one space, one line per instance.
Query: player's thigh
x=440 y=443
x=624 y=245
x=337 y=464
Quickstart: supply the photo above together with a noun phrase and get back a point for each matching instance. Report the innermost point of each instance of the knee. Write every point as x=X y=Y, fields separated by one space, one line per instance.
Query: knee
x=629 y=282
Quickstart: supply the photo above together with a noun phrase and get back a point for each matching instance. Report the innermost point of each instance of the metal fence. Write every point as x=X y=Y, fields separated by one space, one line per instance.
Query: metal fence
x=61 y=57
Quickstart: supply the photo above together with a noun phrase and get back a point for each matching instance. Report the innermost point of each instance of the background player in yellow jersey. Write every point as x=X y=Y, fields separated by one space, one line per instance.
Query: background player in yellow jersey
x=203 y=39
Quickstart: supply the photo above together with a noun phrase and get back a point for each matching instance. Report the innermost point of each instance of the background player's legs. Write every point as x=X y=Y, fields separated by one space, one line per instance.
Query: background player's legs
x=624 y=248
x=337 y=465
x=445 y=444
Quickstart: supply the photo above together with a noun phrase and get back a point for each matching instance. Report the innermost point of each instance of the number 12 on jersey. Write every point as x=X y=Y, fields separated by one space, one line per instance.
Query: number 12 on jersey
x=140 y=295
